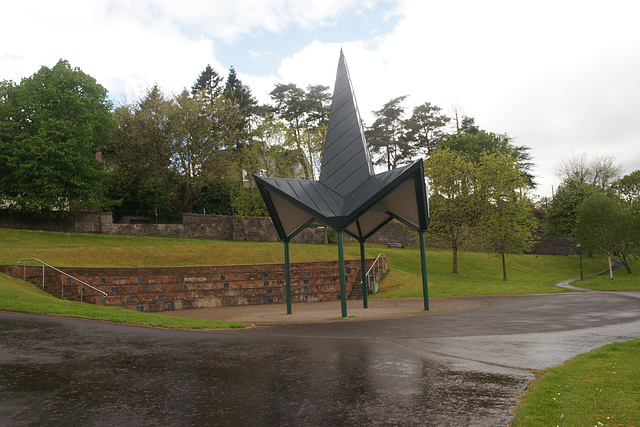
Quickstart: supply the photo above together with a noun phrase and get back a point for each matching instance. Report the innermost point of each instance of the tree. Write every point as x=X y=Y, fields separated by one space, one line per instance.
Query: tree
x=183 y=142
x=562 y=211
x=628 y=187
x=476 y=145
x=306 y=114
x=630 y=236
x=51 y=125
x=507 y=219
x=386 y=135
x=141 y=152
x=602 y=225
x=462 y=123
x=453 y=203
x=468 y=126
x=425 y=127
x=208 y=83
x=198 y=144
x=240 y=94
x=600 y=171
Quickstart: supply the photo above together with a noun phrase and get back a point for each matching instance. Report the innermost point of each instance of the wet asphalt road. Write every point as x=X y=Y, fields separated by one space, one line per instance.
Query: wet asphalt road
x=452 y=370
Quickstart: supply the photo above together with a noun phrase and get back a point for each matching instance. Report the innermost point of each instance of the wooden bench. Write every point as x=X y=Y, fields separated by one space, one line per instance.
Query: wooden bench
x=395 y=245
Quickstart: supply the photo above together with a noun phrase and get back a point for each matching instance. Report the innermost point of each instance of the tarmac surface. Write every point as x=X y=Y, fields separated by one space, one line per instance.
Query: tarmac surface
x=463 y=363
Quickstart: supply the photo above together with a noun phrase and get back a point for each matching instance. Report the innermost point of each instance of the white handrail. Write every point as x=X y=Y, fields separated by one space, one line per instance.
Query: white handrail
x=381 y=255
x=374 y=262
x=20 y=261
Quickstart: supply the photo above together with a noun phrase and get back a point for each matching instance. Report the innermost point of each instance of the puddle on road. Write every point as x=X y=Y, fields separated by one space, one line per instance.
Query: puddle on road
x=170 y=378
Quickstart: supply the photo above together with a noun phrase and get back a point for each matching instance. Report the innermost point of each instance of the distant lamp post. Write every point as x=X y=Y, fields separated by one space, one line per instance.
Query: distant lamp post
x=579 y=246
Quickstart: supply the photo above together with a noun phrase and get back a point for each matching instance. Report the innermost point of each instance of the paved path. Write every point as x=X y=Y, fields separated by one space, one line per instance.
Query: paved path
x=461 y=367
x=331 y=312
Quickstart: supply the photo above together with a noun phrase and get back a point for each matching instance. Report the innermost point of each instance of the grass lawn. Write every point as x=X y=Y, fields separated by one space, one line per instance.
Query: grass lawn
x=622 y=281
x=599 y=388
x=480 y=274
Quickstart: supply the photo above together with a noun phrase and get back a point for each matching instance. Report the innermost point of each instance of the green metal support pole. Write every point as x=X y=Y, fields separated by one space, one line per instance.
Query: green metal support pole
x=363 y=267
x=343 y=281
x=287 y=275
x=423 y=262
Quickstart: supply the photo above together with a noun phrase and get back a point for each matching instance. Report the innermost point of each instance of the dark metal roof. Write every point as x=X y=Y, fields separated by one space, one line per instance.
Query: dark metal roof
x=346 y=161
x=348 y=196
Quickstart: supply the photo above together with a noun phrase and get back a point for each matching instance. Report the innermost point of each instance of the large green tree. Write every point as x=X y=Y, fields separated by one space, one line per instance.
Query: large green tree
x=628 y=187
x=209 y=84
x=425 y=128
x=454 y=202
x=141 y=153
x=475 y=144
x=507 y=219
x=51 y=125
x=306 y=114
x=562 y=210
x=182 y=142
x=386 y=136
x=603 y=225
x=199 y=132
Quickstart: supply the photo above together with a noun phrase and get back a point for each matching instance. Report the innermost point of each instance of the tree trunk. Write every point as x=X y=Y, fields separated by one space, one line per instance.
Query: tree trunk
x=625 y=262
x=504 y=268
x=610 y=267
x=454 y=268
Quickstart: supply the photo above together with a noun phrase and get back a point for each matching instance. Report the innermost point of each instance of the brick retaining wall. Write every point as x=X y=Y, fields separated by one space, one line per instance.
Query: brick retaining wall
x=162 y=289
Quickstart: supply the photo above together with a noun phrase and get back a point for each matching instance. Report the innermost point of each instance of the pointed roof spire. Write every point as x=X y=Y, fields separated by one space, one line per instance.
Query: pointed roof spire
x=346 y=162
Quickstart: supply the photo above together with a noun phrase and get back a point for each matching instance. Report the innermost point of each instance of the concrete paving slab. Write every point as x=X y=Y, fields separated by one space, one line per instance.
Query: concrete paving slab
x=329 y=312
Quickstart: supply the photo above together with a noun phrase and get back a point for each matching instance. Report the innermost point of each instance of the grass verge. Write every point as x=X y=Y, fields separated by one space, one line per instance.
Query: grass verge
x=599 y=388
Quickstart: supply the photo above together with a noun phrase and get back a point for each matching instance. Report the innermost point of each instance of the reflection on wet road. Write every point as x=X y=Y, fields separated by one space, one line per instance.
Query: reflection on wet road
x=56 y=371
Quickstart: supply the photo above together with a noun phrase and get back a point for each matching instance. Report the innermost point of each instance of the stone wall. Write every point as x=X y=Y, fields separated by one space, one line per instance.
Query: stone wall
x=218 y=227
x=78 y=223
x=255 y=229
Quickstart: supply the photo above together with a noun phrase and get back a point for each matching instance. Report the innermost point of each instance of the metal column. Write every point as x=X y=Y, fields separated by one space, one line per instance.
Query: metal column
x=423 y=262
x=287 y=275
x=363 y=267
x=343 y=284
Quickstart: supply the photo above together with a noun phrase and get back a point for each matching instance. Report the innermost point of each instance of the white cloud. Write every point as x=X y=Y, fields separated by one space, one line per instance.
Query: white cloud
x=554 y=74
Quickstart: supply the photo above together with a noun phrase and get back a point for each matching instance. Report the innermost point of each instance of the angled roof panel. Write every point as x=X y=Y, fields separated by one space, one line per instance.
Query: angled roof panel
x=345 y=131
x=348 y=196
x=296 y=218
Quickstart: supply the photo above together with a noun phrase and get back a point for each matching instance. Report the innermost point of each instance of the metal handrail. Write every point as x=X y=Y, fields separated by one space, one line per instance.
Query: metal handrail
x=24 y=267
x=381 y=255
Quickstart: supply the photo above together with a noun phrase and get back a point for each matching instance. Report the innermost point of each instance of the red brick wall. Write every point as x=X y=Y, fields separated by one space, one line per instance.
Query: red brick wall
x=162 y=289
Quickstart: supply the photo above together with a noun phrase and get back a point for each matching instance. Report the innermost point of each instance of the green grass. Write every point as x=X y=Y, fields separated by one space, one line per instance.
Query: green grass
x=480 y=274
x=17 y=295
x=601 y=387
x=86 y=250
x=622 y=281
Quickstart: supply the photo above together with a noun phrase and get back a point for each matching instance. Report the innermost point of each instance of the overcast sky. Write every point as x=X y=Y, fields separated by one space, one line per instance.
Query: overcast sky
x=561 y=77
